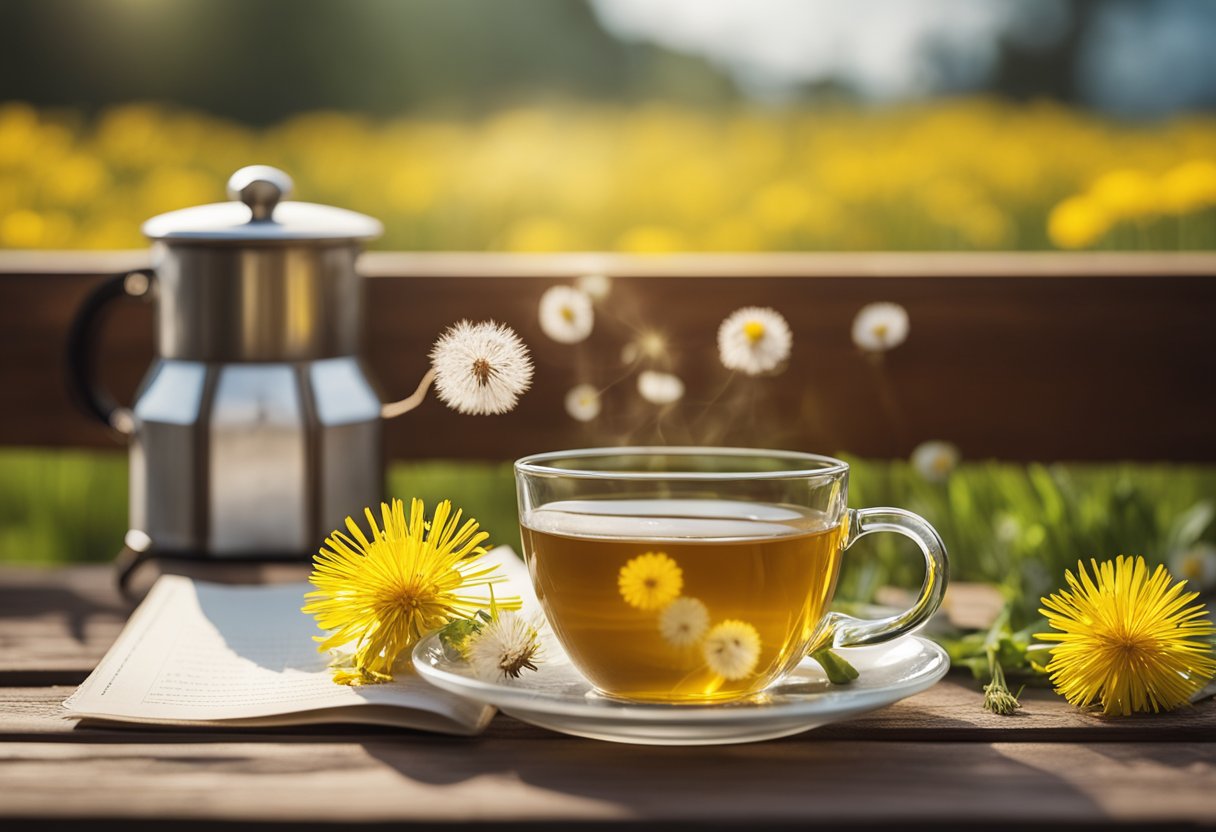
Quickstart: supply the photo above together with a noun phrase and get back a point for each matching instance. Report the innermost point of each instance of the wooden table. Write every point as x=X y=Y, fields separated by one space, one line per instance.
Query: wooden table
x=935 y=761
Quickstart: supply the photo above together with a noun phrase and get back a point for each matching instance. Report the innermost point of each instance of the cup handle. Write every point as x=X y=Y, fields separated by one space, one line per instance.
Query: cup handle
x=846 y=631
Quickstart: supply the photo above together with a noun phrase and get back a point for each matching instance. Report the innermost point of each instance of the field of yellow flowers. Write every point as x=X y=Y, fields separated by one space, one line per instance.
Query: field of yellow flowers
x=959 y=174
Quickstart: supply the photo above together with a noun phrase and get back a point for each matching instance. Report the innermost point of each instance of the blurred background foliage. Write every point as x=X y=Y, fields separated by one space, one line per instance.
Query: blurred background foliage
x=959 y=174
x=545 y=125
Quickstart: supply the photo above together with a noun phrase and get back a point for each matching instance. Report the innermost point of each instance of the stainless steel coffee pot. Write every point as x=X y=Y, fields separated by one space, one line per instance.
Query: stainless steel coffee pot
x=255 y=431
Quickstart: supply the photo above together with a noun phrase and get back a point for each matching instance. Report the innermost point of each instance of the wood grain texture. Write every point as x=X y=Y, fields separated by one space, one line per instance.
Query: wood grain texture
x=1011 y=356
x=784 y=784
x=948 y=712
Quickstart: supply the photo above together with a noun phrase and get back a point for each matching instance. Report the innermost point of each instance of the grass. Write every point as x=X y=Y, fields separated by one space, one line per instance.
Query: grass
x=1014 y=525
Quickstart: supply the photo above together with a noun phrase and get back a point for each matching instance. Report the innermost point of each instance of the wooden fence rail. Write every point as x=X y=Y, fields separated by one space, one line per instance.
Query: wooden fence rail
x=1012 y=356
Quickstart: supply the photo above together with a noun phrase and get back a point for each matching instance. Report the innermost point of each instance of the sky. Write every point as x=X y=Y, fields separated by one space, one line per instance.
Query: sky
x=1137 y=57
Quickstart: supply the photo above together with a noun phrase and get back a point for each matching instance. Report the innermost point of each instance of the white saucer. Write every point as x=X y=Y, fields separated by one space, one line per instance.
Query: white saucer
x=557 y=697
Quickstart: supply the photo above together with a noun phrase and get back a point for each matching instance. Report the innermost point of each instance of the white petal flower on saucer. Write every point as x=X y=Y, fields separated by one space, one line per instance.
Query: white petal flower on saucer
x=660 y=388
x=935 y=460
x=597 y=286
x=566 y=314
x=583 y=403
x=879 y=327
x=504 y=648
x=683 y=622
x=732 y=649
x=480 y=368
x=1197 y=565
x=754 y=340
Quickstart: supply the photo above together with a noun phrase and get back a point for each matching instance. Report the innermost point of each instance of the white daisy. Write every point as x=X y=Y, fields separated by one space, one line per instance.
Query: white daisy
x=650 y=345
x=879 y=327
x=754 y=340
x=480 y=368
x=1197 y=565
x=597 y=286
x=583 y=403
x=504 y=648
x=683 y=622
x=732 y=649
x=660 y=388
x=935 y=460
x=566 y=314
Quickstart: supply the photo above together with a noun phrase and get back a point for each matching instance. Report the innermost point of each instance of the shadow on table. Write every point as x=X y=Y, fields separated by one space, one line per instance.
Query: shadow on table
x=797 y=778
x=21 y=603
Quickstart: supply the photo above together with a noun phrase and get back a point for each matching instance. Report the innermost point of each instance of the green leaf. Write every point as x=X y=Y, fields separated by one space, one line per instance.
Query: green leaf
x=839 y=671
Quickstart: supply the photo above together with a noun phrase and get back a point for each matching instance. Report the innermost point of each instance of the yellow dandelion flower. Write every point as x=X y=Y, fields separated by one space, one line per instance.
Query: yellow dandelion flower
x=650 y=581
x=1131 y=641
x=731 y=649
x=383 y=594
x=1077 y=222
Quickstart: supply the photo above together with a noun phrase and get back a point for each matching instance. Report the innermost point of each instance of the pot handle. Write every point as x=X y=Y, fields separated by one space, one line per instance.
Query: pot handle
x=82 y=377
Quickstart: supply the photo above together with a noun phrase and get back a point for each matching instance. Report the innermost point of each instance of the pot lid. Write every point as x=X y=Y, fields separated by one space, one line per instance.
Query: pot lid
x=257 y=214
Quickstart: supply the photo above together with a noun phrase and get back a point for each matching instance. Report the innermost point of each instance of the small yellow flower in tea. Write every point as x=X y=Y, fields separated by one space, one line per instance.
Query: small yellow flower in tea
x=731 y=649
x=1128 y=640
x=383 y=594
x=650 y=581
x=683 y=622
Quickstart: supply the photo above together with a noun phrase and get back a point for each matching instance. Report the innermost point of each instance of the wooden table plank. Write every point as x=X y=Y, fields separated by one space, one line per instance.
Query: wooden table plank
x=949 y=712
x=788 y=783
x=56 y=624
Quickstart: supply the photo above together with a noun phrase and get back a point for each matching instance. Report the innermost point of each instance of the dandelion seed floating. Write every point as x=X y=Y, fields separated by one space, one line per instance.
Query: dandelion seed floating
x=481 y=368
x=660 y=388
x=566 y=314
x=1197 y=564
x=935 y=460
x=597 y=286
x=583 y=403
x=649 y=346
x=1127 y=640
x=754 y=340
x=879 y=327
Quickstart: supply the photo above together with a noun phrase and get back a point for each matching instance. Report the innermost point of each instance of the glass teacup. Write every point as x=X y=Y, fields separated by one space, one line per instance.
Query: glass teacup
x=698 y=575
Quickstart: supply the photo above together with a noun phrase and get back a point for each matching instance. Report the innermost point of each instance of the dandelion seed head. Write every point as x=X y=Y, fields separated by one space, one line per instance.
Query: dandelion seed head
x=1197 y=564
x=879 y=327
x=935 y=460
x=504 y=648
x=732 y=649
x=683 y=622
x=597 y=286
x=566 y=314
x=480 y=368
x=660 y=388
x=583 y=403
x=754 y=340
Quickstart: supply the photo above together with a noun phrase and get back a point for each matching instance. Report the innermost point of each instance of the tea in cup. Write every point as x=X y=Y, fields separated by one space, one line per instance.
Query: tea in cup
x=700 y=575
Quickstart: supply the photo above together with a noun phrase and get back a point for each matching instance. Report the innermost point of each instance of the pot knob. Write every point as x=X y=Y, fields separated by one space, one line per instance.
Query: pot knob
x=260 y=187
